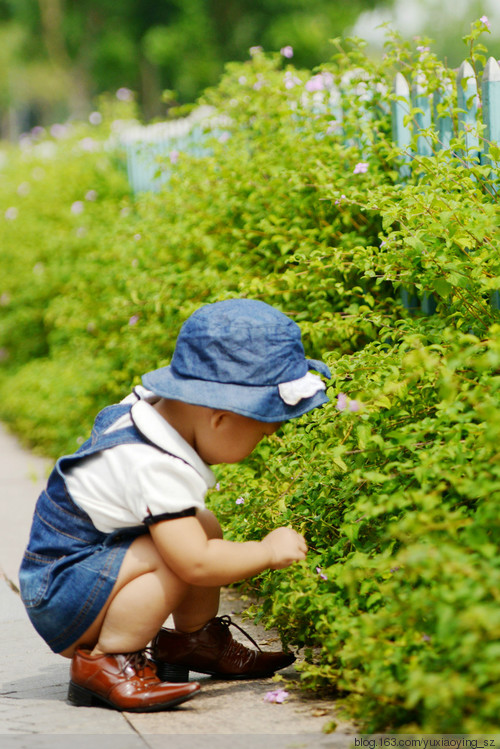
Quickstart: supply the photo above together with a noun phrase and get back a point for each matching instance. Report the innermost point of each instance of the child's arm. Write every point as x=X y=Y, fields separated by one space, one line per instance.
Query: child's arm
x=200 y=561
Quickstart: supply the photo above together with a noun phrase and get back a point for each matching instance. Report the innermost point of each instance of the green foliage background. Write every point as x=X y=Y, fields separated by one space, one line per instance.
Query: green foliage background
x=396 y=606
x=56 y=55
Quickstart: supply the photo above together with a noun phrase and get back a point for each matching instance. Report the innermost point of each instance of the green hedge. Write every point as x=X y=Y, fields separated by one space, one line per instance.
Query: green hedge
x=396 y=482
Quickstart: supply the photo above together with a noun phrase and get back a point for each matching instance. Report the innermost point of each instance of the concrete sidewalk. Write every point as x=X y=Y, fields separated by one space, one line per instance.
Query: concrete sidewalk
x=33 y=681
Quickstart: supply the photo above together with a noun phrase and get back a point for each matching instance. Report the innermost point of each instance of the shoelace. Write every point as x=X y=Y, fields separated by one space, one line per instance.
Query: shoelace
x=226 y=621
x=139 y=661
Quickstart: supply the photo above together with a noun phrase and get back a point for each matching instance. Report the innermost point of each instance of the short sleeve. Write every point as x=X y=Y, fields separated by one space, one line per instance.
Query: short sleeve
x=153 y=519
x=166 y=486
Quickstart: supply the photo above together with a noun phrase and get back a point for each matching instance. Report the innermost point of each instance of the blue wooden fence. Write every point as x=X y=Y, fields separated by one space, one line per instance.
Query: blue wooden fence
x=147 y=146
x=477 y=140
x=149 y=149
x=469 y=117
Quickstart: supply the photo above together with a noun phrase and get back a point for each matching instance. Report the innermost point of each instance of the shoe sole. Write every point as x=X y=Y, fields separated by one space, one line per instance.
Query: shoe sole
x=177 y=674
x=81 y=697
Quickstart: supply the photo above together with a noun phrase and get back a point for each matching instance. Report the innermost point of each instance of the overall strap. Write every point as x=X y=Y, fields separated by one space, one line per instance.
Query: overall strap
x=101 y=439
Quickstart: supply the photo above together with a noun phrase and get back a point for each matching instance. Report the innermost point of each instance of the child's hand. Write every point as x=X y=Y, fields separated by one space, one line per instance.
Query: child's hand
x=286 y=546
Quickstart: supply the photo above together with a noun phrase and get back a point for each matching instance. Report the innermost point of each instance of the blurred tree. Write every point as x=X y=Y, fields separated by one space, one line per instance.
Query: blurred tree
x=444 y=23
x=81 y=48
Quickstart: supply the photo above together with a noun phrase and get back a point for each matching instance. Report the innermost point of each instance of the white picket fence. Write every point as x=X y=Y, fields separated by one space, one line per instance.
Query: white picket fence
x=153 y=150
x=150 y=149
x=470 y=114
x=479 y=126
x=146 y=145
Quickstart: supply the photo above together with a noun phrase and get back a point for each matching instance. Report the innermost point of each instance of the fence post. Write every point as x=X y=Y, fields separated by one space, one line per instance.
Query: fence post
x=423 y=118
x=491 y=108
x=334 y=105
x=444 y=122
x=401 y=132
x=423 y=121
x=401 y=135
x=468 y=105
x=491 y=118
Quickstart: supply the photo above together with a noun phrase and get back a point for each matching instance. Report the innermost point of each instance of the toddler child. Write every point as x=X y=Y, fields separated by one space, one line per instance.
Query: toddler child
x=121 y=538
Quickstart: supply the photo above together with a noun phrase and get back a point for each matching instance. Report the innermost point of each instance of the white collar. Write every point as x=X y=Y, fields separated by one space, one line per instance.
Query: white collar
x=158 y=431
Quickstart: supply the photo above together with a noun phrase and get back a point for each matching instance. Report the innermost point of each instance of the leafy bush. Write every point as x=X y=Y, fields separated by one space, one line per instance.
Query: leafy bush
x=395 y=483
x=399 y=599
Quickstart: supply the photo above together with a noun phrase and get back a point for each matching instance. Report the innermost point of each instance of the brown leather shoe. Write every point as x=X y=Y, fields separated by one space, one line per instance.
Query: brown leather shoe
x=212 y=650
x=123 y=682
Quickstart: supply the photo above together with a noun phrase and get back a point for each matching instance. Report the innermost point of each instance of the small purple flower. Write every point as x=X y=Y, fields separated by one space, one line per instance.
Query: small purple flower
x=321 y=573
x=217 y=486
x=342 y=402
x=240 y=501
x=133 y=320
x=174 y=156
x=360 y=168
x=354 y=405
x=124 y=94
x=88 y=144
x=287 y=51
x=38 y=131
x=486 y=21
x=291 y=80
x=77 y=207
x=242 y=80
x=316 y=83
x=58 y=131
x=255 y=50
x=395 y=569
x=319 y=82
x=95 y=118
x=383 y=242
x=91 y=195
x=426 y=638
x=339 y=200
x=278 y=696
x=11 y=213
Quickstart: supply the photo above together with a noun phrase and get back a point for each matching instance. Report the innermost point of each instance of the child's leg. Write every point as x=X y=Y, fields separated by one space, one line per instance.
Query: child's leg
x=146 y=592
x=200 y=604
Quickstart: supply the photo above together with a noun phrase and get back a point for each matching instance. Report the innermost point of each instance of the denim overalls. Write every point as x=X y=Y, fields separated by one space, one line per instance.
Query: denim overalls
x=69 y=567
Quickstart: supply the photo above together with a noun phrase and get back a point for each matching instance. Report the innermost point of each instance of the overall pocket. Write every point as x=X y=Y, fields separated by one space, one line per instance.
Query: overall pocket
x=34 y=578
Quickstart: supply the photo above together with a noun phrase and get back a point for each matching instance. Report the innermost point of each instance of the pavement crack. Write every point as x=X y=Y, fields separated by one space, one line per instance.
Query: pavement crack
x=139 y=734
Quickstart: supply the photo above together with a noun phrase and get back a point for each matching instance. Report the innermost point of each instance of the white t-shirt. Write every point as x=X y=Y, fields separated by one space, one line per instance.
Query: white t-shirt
x=121 y=486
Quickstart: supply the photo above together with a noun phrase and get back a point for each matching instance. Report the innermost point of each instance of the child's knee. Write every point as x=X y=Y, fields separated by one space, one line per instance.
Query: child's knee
x=142 y=558
x=209 y=523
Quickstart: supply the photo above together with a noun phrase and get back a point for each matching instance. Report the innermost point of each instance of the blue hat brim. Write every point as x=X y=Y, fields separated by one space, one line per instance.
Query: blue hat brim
x=262 y=403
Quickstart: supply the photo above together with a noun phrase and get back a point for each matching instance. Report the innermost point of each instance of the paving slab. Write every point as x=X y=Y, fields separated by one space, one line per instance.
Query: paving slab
x=34 y=712
x=22 y=477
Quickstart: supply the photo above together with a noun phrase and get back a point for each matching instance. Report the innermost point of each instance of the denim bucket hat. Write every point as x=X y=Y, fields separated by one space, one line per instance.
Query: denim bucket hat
x=244 y=356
